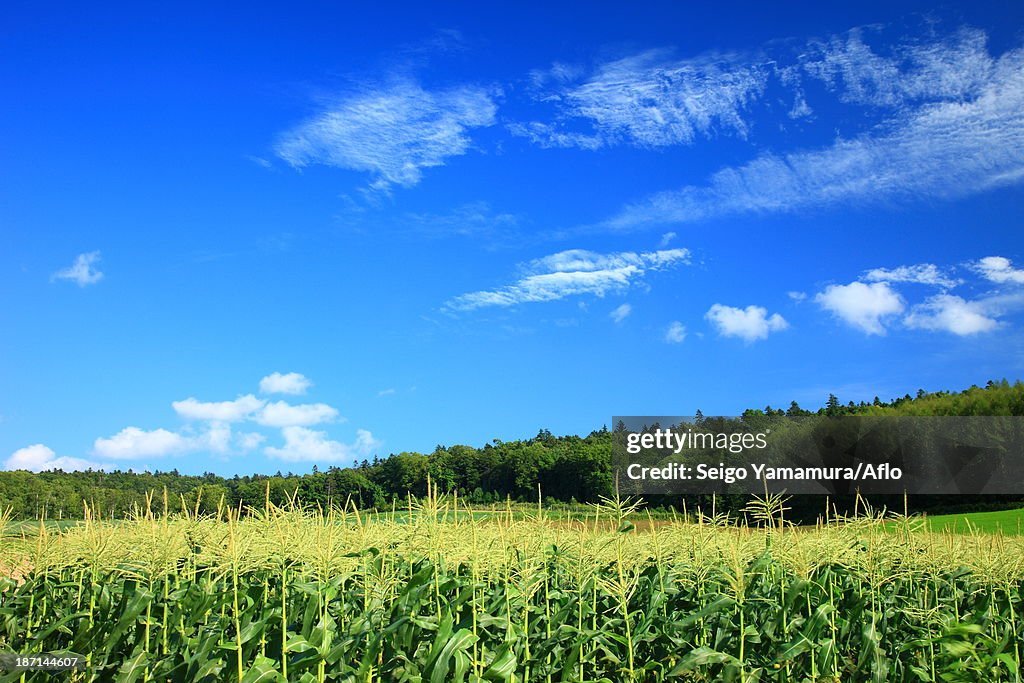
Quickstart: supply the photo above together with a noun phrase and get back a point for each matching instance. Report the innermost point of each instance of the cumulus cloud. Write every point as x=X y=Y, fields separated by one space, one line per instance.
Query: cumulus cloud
x=573 y=272
x=676 y=333
x=393 y=132
x=248 y=441
x=796 y=296
x=83 y=271
x=950 y=313
x=749 y=324
x=40 y=458
x=306 y=445
x=132 y=442
x=620 y=313
x=999 y=269
x=211 y=430
x=871 y=302
x=864 y=306
x=223 y=411
x=290 y=383
x=923 y=273
x=281 y=414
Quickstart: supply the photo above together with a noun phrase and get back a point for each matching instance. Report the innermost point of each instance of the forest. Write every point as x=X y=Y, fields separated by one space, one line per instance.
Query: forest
x=565 y=469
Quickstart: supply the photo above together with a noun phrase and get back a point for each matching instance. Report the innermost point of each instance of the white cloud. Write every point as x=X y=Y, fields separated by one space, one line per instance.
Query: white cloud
x=281 y=414
x=248 y=441
x=666 y=239
x=217 y=438
x=923 y=273
x=749 y=324
x=651 y=99
x=290 y=383
x=864 y=306
x=40 y=458
x=797 y=296
x=573 y=272
x=211 y=429
x=132 y=442
x=475 y=219
x=621 y=313
x=951 y=314
x=676 y=333
x=222 y=411
x=942 y=148
x=999 y=269
x=952 y=69
x=386 y=392
x=83 y=272
x=393 y=132
x=307 y=445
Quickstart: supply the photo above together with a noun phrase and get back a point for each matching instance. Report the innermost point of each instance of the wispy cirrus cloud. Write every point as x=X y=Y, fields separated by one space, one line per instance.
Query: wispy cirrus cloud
x=572 y=272
x=651 y=99
x=83 y=271
x=393 y=131
x=955 y=68
x=473 y=219
x=922 y=273
x=620 y=313
x=676 y=333
x=954 y=127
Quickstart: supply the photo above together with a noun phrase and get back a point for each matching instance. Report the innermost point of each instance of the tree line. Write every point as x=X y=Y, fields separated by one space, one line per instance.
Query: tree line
x=569 y=469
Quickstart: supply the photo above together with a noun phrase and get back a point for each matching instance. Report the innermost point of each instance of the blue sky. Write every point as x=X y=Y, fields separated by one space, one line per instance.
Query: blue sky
x=266 y=237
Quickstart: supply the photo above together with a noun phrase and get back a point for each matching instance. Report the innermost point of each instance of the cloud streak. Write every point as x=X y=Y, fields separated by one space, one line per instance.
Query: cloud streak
x=651 y=99
x=923 y=274
x=571 y=273
x=82 y=272
x=966 y=137
x=393 y=133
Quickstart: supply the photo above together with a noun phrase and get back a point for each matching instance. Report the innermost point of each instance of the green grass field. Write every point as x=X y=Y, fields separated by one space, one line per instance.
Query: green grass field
x=1009 y=522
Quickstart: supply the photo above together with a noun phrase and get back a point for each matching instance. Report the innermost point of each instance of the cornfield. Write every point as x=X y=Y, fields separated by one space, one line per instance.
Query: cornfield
x=290 y=594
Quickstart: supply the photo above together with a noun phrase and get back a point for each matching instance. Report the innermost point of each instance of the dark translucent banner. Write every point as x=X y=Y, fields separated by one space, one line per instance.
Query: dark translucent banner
x=819 y=455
